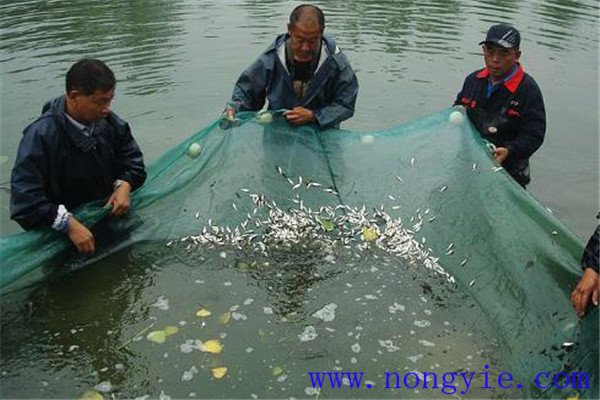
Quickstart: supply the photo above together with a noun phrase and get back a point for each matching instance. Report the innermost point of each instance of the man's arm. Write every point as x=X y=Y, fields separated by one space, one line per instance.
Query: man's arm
x=588 y=287
x=532 y=129
x=131 y=161
x=345 y=92
x=29 y=202
x=249 y=92
x=132 y=172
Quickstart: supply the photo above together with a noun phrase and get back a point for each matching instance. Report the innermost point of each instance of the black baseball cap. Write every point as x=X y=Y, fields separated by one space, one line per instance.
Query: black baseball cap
x=503 y=35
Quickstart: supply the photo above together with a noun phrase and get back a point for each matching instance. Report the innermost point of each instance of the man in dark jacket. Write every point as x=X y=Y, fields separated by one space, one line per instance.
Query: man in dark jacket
x=303 y=72
x=77 y=151
x=505 y=104
x=588 y=287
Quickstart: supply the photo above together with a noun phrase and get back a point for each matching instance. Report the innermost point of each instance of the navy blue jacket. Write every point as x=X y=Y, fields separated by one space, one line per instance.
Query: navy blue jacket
x=590 y=254
x=513 y=117
x=331 y=93
x=56 y=164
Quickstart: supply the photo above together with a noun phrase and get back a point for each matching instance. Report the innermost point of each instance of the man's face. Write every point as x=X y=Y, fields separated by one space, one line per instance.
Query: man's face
x=498 y=60
x=92 y=107
x=305 y=40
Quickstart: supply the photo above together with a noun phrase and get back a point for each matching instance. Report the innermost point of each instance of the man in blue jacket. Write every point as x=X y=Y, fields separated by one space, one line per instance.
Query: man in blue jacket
x=77 y=151
x=303 y=72
x=505 y=104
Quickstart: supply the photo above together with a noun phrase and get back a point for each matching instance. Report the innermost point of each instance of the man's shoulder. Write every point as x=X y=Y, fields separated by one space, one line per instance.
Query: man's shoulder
x=477 y=74
x=528 y=83
x=43 y=126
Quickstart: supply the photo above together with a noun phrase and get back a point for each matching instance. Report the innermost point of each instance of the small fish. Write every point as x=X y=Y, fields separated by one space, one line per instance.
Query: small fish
x=474 y=166
x=397 y=177
x=316 y=184
x=391 y=197
x=234 y=206
x=291 y=182
x=198 y=215
x=443 y=188
x=554 y=233
x=432 y=219
x=245 y=190
x=462 y=264
x=279 y=170
x=412 y=161
x=472 y=283
x=396 y=207
x=450 y=246
x=496 y=169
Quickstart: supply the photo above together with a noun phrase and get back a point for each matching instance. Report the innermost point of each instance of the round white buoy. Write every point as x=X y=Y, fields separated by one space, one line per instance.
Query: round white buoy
x=456 y=118
x=194 y=150
x=264 y=118
x=367 y=139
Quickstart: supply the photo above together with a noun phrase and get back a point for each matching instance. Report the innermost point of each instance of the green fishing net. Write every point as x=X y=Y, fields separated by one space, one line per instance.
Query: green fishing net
x=317 y=225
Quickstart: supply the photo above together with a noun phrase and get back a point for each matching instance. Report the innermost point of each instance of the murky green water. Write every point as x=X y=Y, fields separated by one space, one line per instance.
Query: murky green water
x=176 y=62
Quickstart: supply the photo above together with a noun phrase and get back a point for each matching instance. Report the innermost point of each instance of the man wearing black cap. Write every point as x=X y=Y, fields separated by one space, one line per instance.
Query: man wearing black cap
x=504 y=103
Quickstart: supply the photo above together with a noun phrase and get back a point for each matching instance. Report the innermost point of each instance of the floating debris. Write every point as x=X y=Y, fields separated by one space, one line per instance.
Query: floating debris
x=326 y=313
x=369 y=234
x=189 y=374
x=157 y=336
x=219 y=372
x=212 y=346
x=225 y=318
x=104 y=387
x=170 y=330
x=308 y=334
x=203 y=313
x=91 y=395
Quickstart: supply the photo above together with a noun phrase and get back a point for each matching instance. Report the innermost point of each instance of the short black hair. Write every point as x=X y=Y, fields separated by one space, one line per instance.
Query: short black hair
x=310 y=9
x=89 y=74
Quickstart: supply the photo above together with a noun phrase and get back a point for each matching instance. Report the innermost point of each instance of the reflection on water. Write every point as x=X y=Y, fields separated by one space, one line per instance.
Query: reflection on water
x=141 y=35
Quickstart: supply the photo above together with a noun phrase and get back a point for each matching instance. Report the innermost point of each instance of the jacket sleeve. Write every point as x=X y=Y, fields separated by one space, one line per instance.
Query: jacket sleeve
x=131 y=161
x=30 y=205
x=590 y=254
x=344 y=99
x=249 y=92
x=533 y=127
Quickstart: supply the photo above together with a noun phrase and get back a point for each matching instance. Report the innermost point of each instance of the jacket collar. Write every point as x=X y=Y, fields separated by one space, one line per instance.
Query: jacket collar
x=84 y=143
x=511 y=84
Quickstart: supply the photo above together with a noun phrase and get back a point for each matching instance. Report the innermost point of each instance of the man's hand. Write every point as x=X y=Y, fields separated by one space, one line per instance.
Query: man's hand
x=299 y=116
x=81 y=236
x=228 y=119
x=119 y=200
x=589 y=285
x=500 y=154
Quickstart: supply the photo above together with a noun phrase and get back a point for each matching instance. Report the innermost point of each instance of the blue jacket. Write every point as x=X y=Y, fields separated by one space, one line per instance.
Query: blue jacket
x=590 y=254
x=56 y=164
x=331 y=94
